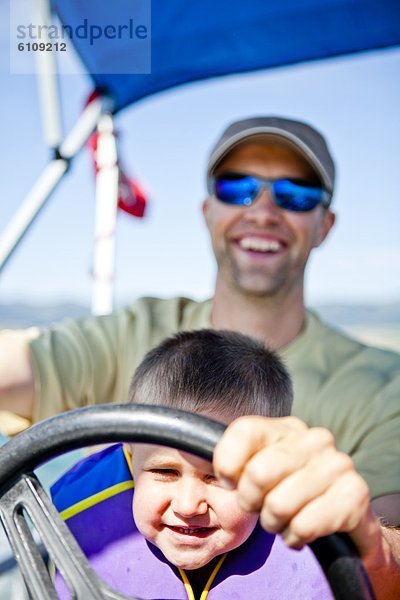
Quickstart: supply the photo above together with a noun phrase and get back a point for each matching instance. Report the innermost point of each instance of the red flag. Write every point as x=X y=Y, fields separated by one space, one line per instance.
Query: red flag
x=131 y=197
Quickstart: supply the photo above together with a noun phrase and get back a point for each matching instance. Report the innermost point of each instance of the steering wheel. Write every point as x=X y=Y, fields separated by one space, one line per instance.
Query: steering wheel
x=23 y=501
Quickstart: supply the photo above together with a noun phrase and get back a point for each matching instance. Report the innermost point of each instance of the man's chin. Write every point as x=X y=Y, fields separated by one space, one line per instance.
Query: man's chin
x=256 y=282
x=257 y=289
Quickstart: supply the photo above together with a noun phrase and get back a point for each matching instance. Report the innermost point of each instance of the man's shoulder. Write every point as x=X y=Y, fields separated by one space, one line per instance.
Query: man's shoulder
x=178 y=308
x=329 y=365
x=336 y=347
x=165 y=315
x=179 y=312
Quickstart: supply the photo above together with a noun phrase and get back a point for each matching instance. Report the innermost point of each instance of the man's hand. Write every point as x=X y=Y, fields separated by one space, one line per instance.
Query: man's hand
x=304 y=488
x=16 y=372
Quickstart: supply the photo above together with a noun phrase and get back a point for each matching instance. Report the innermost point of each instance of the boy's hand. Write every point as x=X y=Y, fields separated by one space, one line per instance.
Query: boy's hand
x=294 y=476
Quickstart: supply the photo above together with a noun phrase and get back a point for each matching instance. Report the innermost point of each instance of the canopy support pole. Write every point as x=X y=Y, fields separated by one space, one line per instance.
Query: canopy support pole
x=49 y=93
x=48 y=180
x=107 y=179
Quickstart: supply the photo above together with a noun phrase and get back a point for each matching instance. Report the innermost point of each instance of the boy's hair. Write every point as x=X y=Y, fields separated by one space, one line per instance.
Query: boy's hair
x=218 y=372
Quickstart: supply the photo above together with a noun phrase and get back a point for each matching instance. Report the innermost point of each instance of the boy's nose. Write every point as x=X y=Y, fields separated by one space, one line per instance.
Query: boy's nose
x=190 y=499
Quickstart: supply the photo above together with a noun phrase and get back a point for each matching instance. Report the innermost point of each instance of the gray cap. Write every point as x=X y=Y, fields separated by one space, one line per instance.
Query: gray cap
x=305 y=139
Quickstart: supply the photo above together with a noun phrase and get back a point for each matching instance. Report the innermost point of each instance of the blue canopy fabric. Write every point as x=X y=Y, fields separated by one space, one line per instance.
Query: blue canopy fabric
x=197 y=39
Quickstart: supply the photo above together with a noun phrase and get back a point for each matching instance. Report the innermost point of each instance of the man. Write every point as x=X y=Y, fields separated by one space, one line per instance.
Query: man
x=270 y=184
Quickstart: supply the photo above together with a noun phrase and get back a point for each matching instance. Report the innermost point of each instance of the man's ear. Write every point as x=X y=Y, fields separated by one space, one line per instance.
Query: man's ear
x=328 y=221
x=206 y=211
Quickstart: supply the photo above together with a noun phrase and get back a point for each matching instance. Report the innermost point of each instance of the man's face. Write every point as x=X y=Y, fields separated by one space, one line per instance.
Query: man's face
x=263 y=249
x=179 y=506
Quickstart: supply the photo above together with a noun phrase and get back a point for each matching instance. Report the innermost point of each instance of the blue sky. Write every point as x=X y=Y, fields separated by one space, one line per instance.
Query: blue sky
x=165 y=140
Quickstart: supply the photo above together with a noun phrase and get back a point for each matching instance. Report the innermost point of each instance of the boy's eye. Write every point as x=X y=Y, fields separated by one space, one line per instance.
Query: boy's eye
x=164 y=473
x=210 y=479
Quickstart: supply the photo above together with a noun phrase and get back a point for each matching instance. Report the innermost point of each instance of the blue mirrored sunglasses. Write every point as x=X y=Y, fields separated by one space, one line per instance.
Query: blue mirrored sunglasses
x=241 y=189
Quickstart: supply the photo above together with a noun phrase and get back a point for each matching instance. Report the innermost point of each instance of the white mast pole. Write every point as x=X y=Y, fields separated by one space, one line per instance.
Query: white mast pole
x=106 y=217
x=49 y=94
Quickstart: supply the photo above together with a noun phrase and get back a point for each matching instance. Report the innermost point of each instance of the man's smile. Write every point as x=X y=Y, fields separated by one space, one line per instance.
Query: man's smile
x=260 y=244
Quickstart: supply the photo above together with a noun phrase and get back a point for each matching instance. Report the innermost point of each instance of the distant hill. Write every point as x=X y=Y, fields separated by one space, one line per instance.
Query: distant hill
x=378 y=324
x=379 y=315
x=21 y=315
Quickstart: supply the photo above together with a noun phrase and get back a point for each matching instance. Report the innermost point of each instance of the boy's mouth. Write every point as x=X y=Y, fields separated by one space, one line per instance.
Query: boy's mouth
x=192 y=531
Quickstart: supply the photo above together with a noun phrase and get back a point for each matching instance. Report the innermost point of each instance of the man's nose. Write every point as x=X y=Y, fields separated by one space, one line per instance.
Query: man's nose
x=264 y=209
x=190 y=499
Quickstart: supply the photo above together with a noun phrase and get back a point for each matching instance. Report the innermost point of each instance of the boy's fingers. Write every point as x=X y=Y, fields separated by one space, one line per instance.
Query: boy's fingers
x=244 y=438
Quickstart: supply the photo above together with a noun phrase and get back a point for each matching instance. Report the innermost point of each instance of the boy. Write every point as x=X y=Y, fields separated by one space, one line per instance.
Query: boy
x=188 y=537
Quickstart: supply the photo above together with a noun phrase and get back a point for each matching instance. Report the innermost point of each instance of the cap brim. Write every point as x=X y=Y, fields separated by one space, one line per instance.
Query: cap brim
x=270 y=133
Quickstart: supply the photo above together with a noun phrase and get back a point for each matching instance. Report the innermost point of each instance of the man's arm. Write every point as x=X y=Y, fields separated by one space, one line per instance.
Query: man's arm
x=381 y=560
x=304 y=488
x=387 y=509
x=17 y=384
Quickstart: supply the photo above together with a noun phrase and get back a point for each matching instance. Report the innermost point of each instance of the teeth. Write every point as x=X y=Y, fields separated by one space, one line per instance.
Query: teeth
x=259 y=245
x=189 y=531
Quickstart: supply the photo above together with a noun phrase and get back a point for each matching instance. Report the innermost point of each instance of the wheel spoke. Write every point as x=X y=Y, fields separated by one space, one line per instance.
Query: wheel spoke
x=27 y=499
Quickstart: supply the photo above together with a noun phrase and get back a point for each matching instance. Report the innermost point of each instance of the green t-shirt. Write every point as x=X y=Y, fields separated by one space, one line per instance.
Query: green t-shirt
x=349 y=388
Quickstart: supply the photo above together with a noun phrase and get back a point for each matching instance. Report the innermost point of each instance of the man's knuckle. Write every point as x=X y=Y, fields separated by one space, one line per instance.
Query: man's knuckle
x=321 y=437
x=275 y=507
x=243 y=426
x=344 y=462
x=360 y=487
x=251 y=478
x=302 y=529
x=269 y=521
x=254 y=475
x=295 y=423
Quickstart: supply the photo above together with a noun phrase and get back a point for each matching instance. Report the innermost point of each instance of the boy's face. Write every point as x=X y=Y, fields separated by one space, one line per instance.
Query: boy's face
x=179 y=506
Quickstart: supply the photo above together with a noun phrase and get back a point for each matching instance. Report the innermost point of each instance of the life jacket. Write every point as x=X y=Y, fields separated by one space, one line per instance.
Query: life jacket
x=95 y=500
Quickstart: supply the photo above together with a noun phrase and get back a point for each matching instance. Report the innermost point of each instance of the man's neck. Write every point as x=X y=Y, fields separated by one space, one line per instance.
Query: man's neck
x=277 y=321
